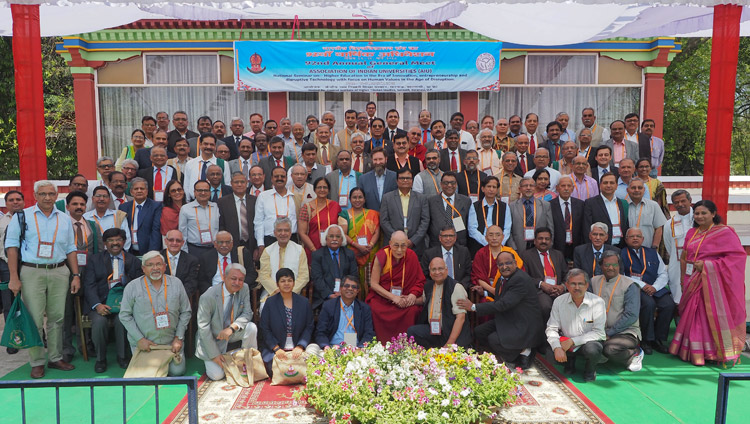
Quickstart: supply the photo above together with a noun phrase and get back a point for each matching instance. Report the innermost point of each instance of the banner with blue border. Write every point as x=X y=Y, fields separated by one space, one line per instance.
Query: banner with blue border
x=366 y=67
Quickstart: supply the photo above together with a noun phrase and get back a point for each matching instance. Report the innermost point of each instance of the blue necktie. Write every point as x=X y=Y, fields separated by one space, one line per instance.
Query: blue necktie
x=203 y=170
x=138 y=208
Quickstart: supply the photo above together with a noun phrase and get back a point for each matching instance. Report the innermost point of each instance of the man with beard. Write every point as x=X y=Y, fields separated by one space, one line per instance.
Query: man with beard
x=377 y=182
x=427 y=181
x=361 y=161
x=470 y=180
x=489 y=161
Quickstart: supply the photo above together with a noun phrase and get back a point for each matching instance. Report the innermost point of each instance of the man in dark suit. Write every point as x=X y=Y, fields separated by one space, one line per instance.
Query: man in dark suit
x=329 y=265
x=361 y=161
x=471 y=179
x=369 y=181
x=449 y=209
x=392 y=131
x=608 y=209
x=401 y=157
x=457 y=258
x=586 y=256
x=158 y=174
x=215 y=178
x=603 y=157
x=230 y=210
x=143 y=156
x=144 y=219
x=180 y=263
x=224 y=253
x=525 y=159
x=356 y=332
x=101 y=277
x=547 y=267
x=180 y=122
x=452 y=157
x=377 y=128
x=517 y=327
x=528 y=214
x=232 y=141
x=567 y=216
x=275 y=159
x=417 y=218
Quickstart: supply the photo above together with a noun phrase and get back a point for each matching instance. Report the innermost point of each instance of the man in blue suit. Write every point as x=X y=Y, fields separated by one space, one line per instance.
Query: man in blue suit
x=377 y=182
x=354 y=327
x=146 y=227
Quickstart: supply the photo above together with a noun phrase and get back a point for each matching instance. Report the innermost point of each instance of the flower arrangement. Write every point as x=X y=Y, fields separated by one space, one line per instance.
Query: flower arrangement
x=402 y=382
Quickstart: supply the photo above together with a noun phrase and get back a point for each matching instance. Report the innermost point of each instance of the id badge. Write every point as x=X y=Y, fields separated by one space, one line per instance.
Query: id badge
x=159 y=195
x=288 y=344
x=113 y=283
x=689 y=269
x=528 y=233
x=637 y=280
x=435 y=327
x=45 y=250
x=678 y=229
x=396 y=291
x=134 y=237
x=328 y=169
x=162 y=320
x=474 y=198
x=343 y=201
x=505 y=199
x=350 y=339
x=337 y=285
x=616 y=232
x=458 y=224
x=81 y=258
x=322 y=235
x=405 y=218
x=551 y=281
x=568 y=237
x=206 y=237
x=362 y=241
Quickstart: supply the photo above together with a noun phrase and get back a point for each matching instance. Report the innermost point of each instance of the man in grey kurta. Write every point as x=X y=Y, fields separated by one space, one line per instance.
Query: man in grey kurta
x=224 y=316
x=155 y=310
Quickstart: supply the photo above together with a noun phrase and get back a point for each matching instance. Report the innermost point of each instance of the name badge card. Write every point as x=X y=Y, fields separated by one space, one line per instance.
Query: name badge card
x=206 y=237
x=568 y=237
x=288 y=344
x=159 y=195
x=637 y=280
x=162 y=320
x=458 y=224
x=550 y=280
x=678 y=229
x=396 y=291
x=134 y=237
x=405 y=218
x=435 y=327
x=474 y=198
x=328 y=169
x=689 y=269
x=337 y=285
x=616 y=231
x=343 y=200
x=81 y=256
x=362 y=241
x=350 y=339
x=45 y=250
x=322 y=235
x=505 y=199
x=528 y=233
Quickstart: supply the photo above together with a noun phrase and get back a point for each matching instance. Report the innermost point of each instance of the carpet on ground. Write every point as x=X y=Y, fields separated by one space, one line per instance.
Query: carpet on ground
x=545 y=397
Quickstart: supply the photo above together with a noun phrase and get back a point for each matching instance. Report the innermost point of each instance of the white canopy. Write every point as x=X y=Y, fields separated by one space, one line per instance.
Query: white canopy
x=554 y=22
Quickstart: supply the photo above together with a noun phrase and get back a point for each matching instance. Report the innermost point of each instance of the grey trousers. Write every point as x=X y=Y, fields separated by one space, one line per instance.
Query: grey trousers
x=591 y=352
x=620 y=348
x=100 y=335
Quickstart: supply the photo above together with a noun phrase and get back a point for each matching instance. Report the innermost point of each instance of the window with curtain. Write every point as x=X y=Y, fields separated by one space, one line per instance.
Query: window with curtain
x=335 y=103
x=182 y=69
x=121 y=108
x=359 y=101
x=385 y=102
x=412 y=107
x=442 y=106
x=561 y=69
x=302 y=104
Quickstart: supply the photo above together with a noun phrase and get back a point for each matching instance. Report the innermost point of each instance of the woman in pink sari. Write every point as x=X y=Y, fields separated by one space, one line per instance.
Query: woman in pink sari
x=712 y=308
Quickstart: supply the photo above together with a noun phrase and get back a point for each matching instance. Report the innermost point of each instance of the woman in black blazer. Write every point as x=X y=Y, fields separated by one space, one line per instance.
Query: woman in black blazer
x=286 y=322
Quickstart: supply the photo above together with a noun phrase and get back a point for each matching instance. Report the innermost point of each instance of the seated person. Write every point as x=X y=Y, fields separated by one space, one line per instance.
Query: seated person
x=623 y=300
x=457 y=258
x=587 y=256
x=107 y=270
x=156 y=311
x=442 y=322
x=547 y=267
x=517 y=327
x=652 y=279
x=224 y=316
x=330 y=264
x=215 y=262
x=576 y=325
x=286 y=322
x=354 y=327
x=484 y=272
x=283 y=253
x=396 y=282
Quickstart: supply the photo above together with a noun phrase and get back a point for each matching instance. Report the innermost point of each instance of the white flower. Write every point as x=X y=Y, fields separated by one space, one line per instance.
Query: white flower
x=432 y=391
x=444 y=402
x=465 y=392
x=421 y=415
x=445 y=414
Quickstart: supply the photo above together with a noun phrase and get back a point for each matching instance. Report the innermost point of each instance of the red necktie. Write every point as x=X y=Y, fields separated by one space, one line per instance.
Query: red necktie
x=357 y=164
x=454 y=164
x=278 y=162
x=549 y=270
x=157 y=180
x=523 y=163
x=224 y=267
x=119 y=201
x=257 y=192
x=532 y=145
x=424 y=136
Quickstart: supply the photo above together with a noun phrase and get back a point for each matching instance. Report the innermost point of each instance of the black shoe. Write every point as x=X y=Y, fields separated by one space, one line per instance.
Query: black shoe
x=646 y=346
x=660 y=347
x=67 y=358
x=123 y=363
x=524 y=362
x=570 y=367
x=11 y=350
x=100 y=367
x=588 y=377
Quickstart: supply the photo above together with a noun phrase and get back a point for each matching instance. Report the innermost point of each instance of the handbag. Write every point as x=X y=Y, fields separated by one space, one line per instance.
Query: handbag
x=20 y=330
x=243 y=367
x=114 y=299
x=289 y=371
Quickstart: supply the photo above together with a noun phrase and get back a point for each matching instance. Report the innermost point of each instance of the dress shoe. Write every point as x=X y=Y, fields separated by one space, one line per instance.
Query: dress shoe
x=524 y=362
x=588 y=377
x=11 y=350
x=100 y=367
x=61 y=365
x=123 y=363
x=37 y=371
x=646 y=346
x=67 y=358
x=570 y=367
x=660 y=347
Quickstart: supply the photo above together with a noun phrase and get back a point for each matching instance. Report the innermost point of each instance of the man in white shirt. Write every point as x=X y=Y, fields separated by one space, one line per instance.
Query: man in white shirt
x=199 y=220
x=271 y=205
x=196 y=168
x=541 y=160
x=576 y=325
x=674 y=239
x=631 y=127
x=467 y=140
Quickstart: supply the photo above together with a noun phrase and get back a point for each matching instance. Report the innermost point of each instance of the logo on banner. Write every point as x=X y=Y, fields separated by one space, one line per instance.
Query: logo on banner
x=255 y=61
x=485 y=63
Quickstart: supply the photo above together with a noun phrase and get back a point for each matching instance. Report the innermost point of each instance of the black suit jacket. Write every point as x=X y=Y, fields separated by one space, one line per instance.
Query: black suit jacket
x=234 y=149
x=208 y=264
x=387 y=133
x=558 y=219
x=98 y=270
x=174 y=135
x=322 y=272
x=535 y=268
x=595 y=211
x=461 y=263
x=148 y=175
x=225 y=191
x=529 y=164
x=387 y=146
x=143 y=157
x=595 y=172
x=413 y=165
x=273 y=324
x=187 y=271
x=229 y=221
x=328 y=322
x=438 y=218
x=517 y=314
x=445 y=159
x=583 y=258
x=475 y=186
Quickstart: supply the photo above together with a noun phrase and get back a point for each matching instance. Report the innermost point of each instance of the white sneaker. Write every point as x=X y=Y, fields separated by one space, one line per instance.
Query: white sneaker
x=636 y=362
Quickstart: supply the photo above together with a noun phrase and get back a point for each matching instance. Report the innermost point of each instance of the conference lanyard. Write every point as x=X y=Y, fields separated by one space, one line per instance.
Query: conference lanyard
x=588 y=152
x=433 y=181
x=549 y=259
x=583 y=183
x=86 y=237
x=452 y=207
x=695 y=257
x=674 y=237
x=468 y=187
x=317 y=213
x=612 y=293
x=481 y=158
x=42 y=253
x=198 y=223
x=166 y=305
x=350 y=322
x=510 y=183
x=407 y=164
x=231 y=312
x=169 y=262
x=640 y=211
x=643 y=255
x=497 y=214
x=258 y=157
x=524 y=215
x=432 y=301
x=275 y=206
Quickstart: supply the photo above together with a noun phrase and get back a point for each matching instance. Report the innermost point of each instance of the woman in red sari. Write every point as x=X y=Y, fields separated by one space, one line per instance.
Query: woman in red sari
x=712 y=308
x=317 y=215
x=170 y=212
x=396 y=282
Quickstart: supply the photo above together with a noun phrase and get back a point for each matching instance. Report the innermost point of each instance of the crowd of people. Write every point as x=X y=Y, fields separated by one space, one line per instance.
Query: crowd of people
x=503 y=234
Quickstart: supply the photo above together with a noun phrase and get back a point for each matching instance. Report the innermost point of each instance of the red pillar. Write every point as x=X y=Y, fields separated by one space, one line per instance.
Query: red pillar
x=469 y=105
x=653 y=101
x=721 y=90
x=277 y=106
x=85 y=104
x=27 y=60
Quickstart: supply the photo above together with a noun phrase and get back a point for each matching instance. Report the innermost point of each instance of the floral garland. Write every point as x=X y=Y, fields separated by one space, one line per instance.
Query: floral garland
x=402 y=382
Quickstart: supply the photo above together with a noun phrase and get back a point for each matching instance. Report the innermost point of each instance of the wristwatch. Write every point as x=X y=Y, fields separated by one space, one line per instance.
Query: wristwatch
x=76 y=275
x=181 y=338
x=473 y=307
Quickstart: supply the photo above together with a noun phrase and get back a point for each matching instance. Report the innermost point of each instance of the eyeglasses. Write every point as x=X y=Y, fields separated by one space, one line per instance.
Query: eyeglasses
x=404 y=178
x=43 y=194
x=448 y=183
x=614 y=265
x=377 y=126
x=176 y=190
x=175 y=240
x=350 y=286
x=202 y=190
x=105 y=166
x=447 y=235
